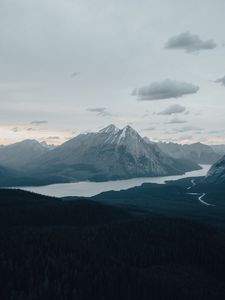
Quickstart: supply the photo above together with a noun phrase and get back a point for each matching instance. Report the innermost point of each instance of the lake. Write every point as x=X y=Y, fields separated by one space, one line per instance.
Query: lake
x=88 y=189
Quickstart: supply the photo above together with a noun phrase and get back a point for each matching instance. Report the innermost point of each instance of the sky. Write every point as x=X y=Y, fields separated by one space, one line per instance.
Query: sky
x=72 y=66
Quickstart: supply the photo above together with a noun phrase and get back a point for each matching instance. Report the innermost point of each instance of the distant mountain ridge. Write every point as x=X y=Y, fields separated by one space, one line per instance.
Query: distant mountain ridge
x=197 y=152
x=220 y=149
x=20 y=154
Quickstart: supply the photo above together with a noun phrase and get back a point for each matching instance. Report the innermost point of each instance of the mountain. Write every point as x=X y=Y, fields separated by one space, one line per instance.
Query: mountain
x=147 y=140
x=6 y=175
x=48 y=146
x=197 y=152
x=216 y=173
x=111 y=153
x=20 y=154
x=220 y=149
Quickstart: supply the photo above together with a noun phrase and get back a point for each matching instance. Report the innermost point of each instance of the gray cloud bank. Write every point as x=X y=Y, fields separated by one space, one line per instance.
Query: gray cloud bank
x=172 y=109
x=164 y=90
x=188 y=128
x=75 y=74
x=39 y=122
x=149 y=129
x=176 y=121
x=100 y=111
x=189 y=42
x=221 y=80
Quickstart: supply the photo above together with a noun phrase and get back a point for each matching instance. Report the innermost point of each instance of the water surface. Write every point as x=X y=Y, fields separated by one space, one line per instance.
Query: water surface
x=88 y=189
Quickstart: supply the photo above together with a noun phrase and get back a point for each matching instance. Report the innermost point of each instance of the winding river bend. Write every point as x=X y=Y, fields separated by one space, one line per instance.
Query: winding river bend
x=88 y=189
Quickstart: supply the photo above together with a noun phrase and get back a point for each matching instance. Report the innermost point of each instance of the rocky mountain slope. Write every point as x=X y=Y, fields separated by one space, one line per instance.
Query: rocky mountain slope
x=216 y=173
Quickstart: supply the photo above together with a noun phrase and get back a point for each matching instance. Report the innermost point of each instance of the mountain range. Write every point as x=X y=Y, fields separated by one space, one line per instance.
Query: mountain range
x=197 y=152
x=108 y=154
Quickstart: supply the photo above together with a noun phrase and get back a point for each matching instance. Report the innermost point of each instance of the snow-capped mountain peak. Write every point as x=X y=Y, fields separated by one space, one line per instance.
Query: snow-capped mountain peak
x=128 y=133
x=129 y=130
x=111 y=129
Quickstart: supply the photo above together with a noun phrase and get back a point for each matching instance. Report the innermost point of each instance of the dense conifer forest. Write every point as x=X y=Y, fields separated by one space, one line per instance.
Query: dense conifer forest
x=65 y=250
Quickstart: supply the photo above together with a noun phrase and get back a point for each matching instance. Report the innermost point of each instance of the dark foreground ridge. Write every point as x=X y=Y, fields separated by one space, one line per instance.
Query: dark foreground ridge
x=180 y=199
x=64 y=250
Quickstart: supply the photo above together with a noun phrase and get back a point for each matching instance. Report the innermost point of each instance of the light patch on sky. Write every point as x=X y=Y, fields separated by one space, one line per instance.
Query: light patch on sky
x=61 y=58
x=9 y=135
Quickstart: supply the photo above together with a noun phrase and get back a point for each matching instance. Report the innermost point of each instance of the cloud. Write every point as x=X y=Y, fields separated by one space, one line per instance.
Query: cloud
x=198 y=113
x=100 y=111
x=165 y=90
x=15 y=129
x=75 y=74
x=221 y=80
x=184 y=129
x=149 y=129
x=188 y=128
x=145 y=115
x=39 y=122
x=189 y=42
x=173 y=109
x=31 y=129
x=176 y=121
x=216 y=131
x=185 y=137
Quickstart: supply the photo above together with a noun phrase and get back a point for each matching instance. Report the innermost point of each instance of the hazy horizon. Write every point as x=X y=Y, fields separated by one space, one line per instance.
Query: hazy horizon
x=52 y=140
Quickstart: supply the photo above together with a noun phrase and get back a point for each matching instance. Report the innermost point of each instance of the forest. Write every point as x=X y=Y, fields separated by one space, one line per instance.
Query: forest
x=63 y=250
